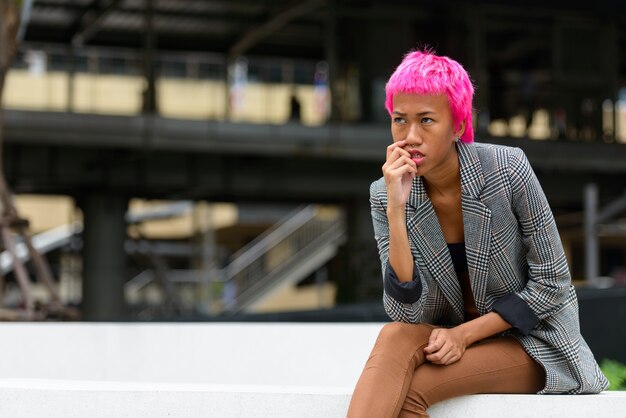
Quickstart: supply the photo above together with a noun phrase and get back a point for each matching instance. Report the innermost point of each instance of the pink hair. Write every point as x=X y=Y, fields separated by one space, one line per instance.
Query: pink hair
x=424 y=73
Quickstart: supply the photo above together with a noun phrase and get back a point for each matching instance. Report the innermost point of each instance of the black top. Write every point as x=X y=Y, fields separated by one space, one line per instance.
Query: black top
x=459 y=260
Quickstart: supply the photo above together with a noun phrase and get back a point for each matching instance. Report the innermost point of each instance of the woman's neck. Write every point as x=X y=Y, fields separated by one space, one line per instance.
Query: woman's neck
x=445 y=181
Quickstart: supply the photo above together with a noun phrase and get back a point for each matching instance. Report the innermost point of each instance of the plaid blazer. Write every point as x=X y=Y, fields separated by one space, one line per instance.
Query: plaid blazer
x=515 y=258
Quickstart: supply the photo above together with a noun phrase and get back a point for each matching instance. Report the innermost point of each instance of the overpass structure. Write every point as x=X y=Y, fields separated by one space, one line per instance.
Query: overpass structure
x=151 y=156
x=103 y=161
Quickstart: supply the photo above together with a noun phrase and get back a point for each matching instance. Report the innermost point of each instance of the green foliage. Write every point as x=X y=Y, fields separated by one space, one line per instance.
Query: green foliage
x=615 y=372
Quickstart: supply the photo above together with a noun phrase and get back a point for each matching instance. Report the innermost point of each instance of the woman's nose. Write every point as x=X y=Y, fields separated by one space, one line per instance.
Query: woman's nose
x=413 y=135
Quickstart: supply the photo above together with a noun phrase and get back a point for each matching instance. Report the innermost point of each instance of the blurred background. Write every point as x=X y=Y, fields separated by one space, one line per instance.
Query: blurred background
x=192 y=160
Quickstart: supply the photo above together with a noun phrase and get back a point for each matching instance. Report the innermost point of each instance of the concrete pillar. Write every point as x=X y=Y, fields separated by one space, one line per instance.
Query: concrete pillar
x=71 y=77
x=104 y=258
x=363 y=279
x=477 y=44
x=149 y=93
x=332 y=57
x=592 y=253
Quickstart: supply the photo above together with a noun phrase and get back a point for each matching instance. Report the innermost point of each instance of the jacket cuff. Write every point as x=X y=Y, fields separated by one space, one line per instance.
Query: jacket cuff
x=405 y=292
x=516 y=312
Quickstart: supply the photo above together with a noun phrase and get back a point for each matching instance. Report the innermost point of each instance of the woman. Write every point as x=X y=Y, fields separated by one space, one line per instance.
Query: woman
x=474 y=271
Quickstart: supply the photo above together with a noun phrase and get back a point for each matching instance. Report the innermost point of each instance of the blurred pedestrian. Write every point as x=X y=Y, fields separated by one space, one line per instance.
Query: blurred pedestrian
x=294 y=108
x=474 y=271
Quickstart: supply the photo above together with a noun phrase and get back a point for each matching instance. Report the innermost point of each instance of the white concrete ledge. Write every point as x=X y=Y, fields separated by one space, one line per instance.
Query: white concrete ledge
x=80 y=399
x=219 y=370
x=77 y=399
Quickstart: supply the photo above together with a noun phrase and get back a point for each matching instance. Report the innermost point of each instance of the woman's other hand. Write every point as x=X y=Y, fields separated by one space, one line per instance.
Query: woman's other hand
x=445 y=346
x=399 y=171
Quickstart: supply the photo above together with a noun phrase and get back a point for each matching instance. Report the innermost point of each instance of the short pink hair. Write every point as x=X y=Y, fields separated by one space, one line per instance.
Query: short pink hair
x=424 y=73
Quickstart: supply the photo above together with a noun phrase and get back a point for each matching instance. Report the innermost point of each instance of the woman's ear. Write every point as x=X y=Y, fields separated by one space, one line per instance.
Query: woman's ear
x=461 y=130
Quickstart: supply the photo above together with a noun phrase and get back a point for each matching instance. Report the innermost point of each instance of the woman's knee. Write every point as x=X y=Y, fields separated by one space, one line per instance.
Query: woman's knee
x=400 y=334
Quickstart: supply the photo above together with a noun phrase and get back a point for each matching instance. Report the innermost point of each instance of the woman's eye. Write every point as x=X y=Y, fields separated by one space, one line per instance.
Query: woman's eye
x=427 y=120
x=398 y=120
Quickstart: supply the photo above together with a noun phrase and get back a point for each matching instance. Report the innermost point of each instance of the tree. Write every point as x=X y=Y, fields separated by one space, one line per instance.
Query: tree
x=11 y=224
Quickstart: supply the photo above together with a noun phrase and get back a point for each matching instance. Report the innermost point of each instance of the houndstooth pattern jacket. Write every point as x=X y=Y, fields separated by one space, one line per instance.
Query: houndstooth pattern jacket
x=516 y=264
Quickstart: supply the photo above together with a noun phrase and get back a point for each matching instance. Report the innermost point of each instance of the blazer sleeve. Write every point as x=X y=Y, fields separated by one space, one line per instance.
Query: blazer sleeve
x=402 y=300
x=549 y=279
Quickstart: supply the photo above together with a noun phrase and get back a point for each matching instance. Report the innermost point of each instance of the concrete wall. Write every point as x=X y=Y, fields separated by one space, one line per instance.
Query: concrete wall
x=242 y=354
x=219 y=370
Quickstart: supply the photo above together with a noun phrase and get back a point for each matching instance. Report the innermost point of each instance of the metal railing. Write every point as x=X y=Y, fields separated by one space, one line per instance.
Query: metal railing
x=277 y=255
x=190 y=85
x=289 y=251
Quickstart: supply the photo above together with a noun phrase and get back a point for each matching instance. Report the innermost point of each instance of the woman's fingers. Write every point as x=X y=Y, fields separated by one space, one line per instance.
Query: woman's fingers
x=399 y=171
x=394 y=146
x=402 y=162
x=442 y=348
x=395 y=151
x=438 y=356
x=449 y=356
x=446 y=355
x=399 y=158
x=435 y=341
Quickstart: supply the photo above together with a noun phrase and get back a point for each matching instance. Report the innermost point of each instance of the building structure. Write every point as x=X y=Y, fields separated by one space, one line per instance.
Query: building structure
x=194 y=100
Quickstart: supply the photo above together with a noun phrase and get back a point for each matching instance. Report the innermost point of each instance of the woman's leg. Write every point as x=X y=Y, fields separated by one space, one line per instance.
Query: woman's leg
x=385 y=380
x=494 y=365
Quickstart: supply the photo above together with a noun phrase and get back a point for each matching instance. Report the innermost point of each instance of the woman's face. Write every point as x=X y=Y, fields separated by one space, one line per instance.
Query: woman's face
x=425 y=123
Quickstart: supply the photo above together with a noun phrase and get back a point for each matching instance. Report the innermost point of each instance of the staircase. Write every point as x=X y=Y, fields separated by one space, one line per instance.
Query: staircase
x=285 y=254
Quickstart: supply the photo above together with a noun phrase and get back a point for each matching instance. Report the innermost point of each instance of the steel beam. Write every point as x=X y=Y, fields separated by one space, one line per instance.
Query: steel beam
x=273 y=24
x=90 y=24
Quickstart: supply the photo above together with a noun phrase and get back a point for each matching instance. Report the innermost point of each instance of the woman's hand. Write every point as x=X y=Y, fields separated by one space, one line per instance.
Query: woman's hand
x=445 y=346
x=399 y=171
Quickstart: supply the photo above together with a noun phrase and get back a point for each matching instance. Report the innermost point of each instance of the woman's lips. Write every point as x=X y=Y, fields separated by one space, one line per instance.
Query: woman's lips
x=417 y=157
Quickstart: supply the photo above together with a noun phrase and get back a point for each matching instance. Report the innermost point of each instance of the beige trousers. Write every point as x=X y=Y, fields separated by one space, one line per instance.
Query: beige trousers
x=398 y=381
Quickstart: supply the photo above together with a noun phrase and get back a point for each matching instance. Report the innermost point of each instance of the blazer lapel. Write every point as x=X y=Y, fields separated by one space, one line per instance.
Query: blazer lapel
x=427 y=238
x=476 y=223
